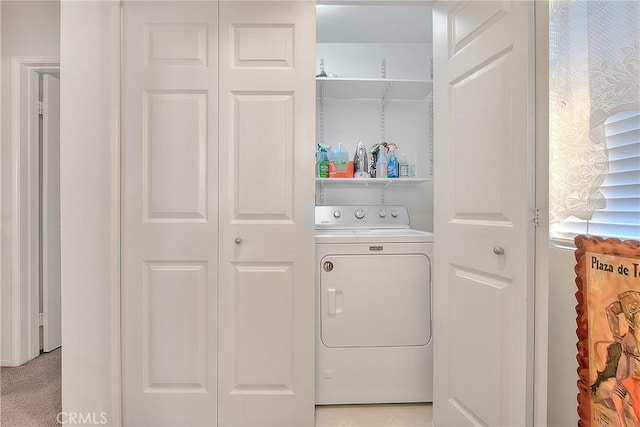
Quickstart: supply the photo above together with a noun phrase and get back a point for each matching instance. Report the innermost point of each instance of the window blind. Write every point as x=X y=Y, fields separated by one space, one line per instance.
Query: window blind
x=621 y=187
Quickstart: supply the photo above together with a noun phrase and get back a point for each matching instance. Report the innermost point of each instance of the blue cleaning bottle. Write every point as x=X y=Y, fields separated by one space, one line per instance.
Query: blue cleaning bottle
x=393 y=167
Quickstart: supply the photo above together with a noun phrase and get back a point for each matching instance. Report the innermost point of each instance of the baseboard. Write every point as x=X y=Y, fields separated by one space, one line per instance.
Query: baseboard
x=6 y=363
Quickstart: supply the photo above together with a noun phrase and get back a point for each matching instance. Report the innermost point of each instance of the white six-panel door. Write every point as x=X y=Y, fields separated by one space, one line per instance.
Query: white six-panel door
x=51 y=291
x=169 y=213
x=267 y=128
x=484 y=140
x=217 y=213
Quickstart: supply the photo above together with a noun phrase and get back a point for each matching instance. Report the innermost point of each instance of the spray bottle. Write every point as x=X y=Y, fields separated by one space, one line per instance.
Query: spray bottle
x=322 y=162
x=381 y=162
x=393 y=169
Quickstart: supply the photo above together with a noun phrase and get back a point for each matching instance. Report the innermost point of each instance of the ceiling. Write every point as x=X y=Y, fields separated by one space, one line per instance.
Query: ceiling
x=373 y=24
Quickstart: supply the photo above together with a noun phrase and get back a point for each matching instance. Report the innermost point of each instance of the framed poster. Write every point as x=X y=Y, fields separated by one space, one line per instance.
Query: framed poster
x=608 y=328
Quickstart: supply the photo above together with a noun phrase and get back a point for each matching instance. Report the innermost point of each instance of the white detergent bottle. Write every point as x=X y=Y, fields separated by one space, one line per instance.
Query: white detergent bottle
x=404 y=166
x=381 y=163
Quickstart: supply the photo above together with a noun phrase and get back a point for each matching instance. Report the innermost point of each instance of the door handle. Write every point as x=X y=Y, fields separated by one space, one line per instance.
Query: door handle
x=331 y=301
x=498 y=250
x=238 y=240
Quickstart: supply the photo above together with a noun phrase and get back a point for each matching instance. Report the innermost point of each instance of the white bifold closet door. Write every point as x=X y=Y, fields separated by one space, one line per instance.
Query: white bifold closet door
x=217 y=213
x=169 y=213
x=267 y=128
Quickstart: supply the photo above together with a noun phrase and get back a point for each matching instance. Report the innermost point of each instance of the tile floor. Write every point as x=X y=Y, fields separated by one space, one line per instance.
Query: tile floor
x=405 y=415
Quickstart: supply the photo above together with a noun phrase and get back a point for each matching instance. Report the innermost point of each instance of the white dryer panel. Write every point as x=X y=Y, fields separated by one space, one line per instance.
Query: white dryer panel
x=375 y=300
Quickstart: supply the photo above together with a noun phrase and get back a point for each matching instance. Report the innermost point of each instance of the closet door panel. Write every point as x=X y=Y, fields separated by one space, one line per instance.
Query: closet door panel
x=169 y=213
x=261 y=330
x=267 y=91
x=175 y=150
x=174 y=325
x=263 y=184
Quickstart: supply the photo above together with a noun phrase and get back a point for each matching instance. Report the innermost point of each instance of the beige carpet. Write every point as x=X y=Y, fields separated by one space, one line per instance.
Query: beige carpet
x=31 y=393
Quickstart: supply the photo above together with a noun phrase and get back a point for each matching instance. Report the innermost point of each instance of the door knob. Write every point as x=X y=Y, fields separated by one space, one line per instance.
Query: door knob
x=498 y=250
x=238 y=240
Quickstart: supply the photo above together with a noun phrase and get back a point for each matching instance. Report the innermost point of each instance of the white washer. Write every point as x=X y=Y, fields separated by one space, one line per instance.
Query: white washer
x=373 y=329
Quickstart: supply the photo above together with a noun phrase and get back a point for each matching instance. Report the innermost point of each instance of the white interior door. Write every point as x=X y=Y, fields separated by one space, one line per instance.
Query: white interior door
x=484 y=143
x=51 y=308
x=169 y=213
x=267 y=110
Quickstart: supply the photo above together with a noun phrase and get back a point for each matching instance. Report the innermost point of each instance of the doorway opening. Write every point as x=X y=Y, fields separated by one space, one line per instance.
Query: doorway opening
x=36 y=206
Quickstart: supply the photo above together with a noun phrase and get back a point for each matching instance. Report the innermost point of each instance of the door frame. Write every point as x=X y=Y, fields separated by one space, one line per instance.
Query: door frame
x=25 y=215
x=541 y=170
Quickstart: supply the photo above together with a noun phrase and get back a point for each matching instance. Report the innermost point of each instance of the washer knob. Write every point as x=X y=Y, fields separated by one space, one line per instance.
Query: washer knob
x=383 y=214
x=337 y=214
x=395 y=213
x=359 y=214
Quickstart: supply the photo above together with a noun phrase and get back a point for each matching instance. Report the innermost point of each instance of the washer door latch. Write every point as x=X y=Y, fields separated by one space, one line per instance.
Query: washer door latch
x=327 y=266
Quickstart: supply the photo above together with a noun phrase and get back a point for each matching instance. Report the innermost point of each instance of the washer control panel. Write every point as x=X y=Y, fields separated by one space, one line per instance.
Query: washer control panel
x=337 y=217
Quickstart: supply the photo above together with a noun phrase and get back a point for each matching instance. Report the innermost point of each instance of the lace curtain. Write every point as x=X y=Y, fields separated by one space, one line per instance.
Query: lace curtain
x=594 y=74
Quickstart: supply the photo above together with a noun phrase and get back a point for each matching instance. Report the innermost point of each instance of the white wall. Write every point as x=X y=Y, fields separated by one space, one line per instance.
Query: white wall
x=28 y=28
x=89 y=157
x=562 y=388
x=363 y=60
